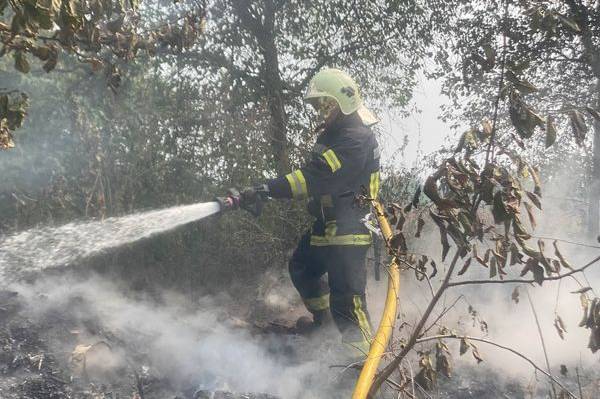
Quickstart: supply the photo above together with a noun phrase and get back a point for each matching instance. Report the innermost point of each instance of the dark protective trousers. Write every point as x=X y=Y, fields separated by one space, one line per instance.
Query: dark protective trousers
x=342 y=290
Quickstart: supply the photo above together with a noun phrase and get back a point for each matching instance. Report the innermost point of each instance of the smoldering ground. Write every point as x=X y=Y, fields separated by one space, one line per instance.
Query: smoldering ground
x=177 y=348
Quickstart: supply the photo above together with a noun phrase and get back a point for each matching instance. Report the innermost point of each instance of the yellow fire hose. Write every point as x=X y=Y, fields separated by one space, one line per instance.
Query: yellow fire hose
x=388 y=319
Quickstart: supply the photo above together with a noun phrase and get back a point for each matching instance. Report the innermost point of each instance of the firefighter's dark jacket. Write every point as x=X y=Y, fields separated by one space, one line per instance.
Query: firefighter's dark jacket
x=344 y=160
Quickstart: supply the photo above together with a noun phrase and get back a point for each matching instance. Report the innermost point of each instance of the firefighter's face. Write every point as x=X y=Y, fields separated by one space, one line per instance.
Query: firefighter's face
x=326 y=109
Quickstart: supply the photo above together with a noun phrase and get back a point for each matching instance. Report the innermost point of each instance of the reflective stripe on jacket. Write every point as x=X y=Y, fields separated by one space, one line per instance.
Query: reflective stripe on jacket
x=345 y=159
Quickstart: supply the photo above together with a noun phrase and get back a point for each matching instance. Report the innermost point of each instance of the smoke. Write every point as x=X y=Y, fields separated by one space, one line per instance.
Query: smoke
x=182 y=344
x=506 y=322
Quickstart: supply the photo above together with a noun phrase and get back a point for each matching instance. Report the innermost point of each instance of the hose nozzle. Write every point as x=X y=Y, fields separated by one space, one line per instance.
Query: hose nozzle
x=230 y=201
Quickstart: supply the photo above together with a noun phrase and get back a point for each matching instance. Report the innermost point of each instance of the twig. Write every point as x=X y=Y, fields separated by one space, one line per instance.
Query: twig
x=388 y=370
x=557 y=297
x=500 y=84
x=488 y=151
x=526 y=281
x=539 y=328
x=424 y=274
x=139 y=385
x=446 y=310
x=579 y=382
x=511 y=350
x=567 y=241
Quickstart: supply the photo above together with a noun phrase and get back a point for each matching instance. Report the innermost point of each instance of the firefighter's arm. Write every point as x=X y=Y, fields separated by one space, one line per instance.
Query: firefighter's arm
x=327 y=172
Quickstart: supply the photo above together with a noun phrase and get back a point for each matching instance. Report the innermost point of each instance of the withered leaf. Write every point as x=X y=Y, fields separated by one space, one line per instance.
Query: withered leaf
x=499 y=209
x=398 y=242
x=420 y=270
x=535 y=199
x=50 y=64
x=520 y=84
x=515 y=255
x=559 y=255
x=465 y=267
x=533 y=265
x=585 y=302
x=401 y=221
x=420 y=224
x=515 y=295
x=535 y=176
x=490 y=55
x=556 y=265
x=493 y=268
x=21 y=63
x=468 y=141
x=416 y=197
x=442 y=362
x=543 y=260
x=487 y=128
x=550 y=131
x=392 y=213
x=538 y=273
x=582 y=290
x=523 y=118
x=464 y=346
x=595 y=114
x=476 y=354
x=561 y=323
x=578 y=126
x=426 y=376
x=443 y=233
x=529 y=209
x=559 y=326
x=434 y=269
x=569 y=23
x=519 y=230
x=527 y=249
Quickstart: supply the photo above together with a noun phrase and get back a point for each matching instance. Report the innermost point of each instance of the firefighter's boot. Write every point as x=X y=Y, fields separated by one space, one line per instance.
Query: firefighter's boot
x=321 y=320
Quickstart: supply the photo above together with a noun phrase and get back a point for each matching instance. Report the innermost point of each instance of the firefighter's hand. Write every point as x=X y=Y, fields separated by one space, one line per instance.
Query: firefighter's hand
x=250 y=195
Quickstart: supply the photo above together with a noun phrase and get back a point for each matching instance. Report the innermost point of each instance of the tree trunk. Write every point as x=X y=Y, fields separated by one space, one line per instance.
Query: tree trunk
x=278 y=125
x=264 y=32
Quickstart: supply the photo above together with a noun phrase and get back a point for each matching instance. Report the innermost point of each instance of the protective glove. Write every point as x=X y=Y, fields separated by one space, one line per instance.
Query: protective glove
x=251 y=195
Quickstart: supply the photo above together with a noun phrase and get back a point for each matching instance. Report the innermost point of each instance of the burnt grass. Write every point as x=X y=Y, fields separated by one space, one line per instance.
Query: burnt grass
x=36 y=362
x=30 y=369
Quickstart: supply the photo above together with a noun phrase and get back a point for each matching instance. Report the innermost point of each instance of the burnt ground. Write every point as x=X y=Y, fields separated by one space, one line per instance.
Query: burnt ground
x=31 y=368
x=66 y=352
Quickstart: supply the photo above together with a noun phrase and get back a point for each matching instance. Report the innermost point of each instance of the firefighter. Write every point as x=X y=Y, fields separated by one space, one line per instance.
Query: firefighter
x=345 y=159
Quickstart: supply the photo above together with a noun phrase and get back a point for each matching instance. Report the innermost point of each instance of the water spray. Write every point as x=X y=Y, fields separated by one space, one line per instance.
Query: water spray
x=41 y=248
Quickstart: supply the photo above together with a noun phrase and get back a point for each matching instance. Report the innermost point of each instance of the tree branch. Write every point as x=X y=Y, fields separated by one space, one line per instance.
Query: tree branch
x=389 y=369
x=487 y=341
x=524 y=281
